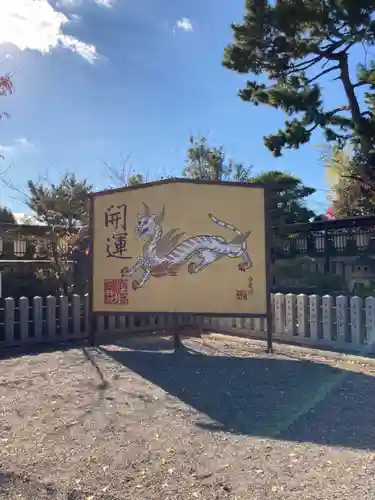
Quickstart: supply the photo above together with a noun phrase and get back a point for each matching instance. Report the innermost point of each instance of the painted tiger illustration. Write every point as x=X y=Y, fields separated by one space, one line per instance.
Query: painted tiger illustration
x=164 y=254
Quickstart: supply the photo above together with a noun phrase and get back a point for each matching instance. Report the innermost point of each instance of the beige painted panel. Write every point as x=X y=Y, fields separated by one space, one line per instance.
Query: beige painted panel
x=220 y=287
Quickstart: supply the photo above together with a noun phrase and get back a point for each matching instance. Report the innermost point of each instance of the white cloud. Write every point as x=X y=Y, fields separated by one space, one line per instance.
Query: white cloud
x=4 y=148
x=36 y=25
x=105 y=3
x=16 y=145
x=25 y=143
x=71 y=4
x=183 y=24
x=68 y=3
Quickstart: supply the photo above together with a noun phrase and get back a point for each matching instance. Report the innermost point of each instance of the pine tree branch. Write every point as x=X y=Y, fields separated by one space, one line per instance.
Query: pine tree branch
x=329 y=52
x=324 y=72
x=360 y=84
x=336 y=110
x=304 y=65
x=312 y=128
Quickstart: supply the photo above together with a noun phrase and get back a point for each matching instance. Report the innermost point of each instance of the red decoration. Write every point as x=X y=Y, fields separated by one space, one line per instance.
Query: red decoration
x=116 y=292
x=242 y=294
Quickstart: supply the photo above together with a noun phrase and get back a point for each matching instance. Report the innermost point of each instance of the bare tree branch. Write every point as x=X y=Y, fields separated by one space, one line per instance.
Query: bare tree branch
x=125 y=174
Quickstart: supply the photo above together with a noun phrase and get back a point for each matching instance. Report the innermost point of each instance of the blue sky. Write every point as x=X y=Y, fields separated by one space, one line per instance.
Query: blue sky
x=95 y=79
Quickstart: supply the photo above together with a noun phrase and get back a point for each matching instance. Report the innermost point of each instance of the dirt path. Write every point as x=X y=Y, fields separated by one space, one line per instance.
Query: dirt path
x=220 y=420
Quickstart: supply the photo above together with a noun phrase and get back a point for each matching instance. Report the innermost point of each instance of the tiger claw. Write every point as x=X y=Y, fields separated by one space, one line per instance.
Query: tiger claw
x=124 y=272
x=135 y=284
x=191 y=268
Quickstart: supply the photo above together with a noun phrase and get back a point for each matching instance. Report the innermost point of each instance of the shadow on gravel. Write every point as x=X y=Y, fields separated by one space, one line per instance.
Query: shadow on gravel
x=164 y=343
x=18 y=486
x=285 y=399
x=42 y=348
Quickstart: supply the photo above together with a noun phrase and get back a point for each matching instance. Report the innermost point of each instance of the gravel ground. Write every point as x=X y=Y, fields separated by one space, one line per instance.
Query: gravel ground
x=218 y=420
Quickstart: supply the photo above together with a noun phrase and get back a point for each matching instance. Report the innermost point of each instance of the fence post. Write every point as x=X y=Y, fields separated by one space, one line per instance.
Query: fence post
x=279 y=313
x=111 y=323
x=38 y=317
x=258 y=324
x=9 y=319
x=122 y=321
x=76 y=314
x=303 y=315
x=273 y=312
x=342 y=318
x=51 y=316
x=86 y=313
x=100 y=324
x=356 y=320
x=264 y=325
x=370 y=321
x=290 y=313
x=207 y=322
x=64 y=316
x=327 y=317
x=315 y=317
x=130 y=321
x=24 y=318
x=236 y=323
x=161 y=321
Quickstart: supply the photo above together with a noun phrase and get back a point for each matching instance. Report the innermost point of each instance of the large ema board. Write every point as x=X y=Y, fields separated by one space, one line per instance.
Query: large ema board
x=180 y=246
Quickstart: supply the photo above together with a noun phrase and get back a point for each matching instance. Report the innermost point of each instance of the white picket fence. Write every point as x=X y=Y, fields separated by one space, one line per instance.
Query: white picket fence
x=340 y=323
x=63 y=319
